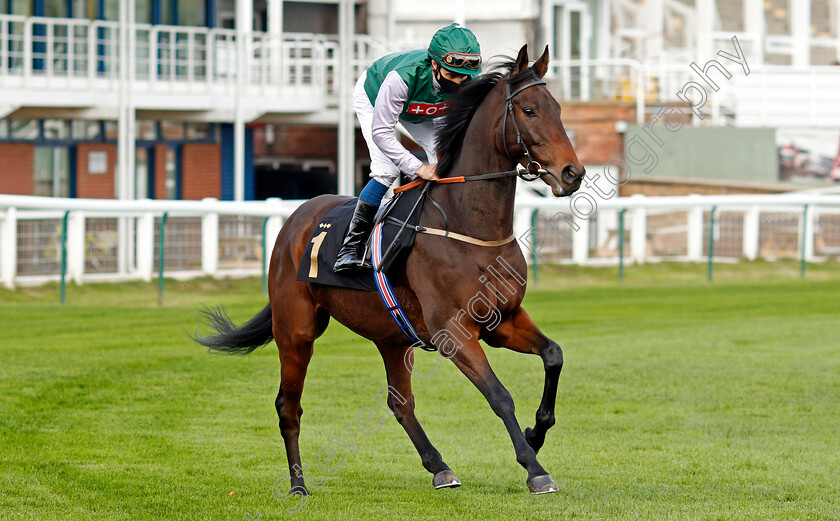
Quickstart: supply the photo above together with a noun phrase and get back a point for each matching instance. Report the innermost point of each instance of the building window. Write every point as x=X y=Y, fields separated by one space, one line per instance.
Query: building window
x=191 y=12
x=25 y=129
x=173 y=172
x=52 y=171
x=142 y=172
x=142 y=11
x=112 y=10
x=57 y=128
x=86 y=130
x=172 y=130
x=22 y=7
x=84 y=9
x=200 y=131
x=111 y=130
x=146 y=130
x=56 y=8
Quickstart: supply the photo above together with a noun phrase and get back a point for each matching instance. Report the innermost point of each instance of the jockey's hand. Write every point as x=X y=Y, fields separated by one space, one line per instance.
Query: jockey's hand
x=428 y=172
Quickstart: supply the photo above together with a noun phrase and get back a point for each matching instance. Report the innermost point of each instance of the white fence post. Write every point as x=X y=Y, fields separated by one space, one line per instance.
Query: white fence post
x=272 y=228
x=638 y=233
x=752 y=228
x=580 y=241
x=606 y=222
x=8 y=248
x=76 y=246
x=808 y=232
x=124 y=244
x=146 y=245
x=694 y=233
x=210 y=240
x=523 y=232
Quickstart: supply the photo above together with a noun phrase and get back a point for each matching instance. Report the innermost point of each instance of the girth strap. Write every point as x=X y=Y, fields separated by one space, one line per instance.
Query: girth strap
x=467 y=238
x=453 y=235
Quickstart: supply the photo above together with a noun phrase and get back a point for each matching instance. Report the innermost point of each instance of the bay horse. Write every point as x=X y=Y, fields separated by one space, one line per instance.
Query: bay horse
x=498 y=121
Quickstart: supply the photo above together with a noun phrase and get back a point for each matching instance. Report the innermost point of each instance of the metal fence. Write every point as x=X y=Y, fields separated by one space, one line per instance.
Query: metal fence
x=43 y=238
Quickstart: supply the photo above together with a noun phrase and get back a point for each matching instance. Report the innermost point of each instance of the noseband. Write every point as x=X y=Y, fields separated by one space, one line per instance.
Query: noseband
x=533 y=170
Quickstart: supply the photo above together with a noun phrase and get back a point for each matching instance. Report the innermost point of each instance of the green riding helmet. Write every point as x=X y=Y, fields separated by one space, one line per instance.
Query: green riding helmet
x=456 y=49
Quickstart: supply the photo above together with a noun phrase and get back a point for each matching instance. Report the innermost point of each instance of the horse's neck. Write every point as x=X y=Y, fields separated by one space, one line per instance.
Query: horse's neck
x=482 y=209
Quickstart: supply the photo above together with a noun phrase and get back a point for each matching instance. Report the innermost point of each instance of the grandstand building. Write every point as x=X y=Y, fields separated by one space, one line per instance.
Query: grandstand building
x=248 y=99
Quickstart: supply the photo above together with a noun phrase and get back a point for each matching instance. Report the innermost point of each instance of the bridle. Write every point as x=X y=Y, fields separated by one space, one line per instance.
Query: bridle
x=533 y=170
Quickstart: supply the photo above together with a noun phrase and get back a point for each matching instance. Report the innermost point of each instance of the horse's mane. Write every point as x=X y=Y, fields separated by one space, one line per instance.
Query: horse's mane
x=450 y=136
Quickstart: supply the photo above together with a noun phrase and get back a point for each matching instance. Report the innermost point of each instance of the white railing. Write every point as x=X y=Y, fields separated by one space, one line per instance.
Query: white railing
x=120 y=240
x=57 y=47
x=805 y=226
x=789 y=97
x=61 y=55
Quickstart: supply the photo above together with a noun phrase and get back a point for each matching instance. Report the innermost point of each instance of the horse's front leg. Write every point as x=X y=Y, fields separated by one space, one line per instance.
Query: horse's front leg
x=470 y=359
x=519 y=333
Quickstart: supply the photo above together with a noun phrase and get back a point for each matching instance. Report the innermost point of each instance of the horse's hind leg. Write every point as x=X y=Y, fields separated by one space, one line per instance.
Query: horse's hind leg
x=295 y=328
x=401 y=402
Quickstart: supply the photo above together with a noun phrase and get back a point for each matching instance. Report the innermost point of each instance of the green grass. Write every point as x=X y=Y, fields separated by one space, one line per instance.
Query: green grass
x=678 y=400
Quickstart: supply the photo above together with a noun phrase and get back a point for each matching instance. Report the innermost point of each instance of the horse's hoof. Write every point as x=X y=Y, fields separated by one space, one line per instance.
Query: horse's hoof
x=542 y=485
x=446 y=479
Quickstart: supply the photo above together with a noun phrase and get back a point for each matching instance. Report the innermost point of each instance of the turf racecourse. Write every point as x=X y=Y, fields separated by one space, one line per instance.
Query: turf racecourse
x=679 y=400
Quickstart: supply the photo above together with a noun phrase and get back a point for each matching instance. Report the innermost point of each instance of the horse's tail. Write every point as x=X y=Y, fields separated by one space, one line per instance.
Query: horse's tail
x=232 y=340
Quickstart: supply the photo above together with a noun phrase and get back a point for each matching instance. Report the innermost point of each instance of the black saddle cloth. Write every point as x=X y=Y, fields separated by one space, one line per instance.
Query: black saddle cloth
x=328 y=235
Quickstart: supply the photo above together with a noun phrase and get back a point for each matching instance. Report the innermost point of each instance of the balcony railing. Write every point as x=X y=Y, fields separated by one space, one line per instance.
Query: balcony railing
x=84 y=55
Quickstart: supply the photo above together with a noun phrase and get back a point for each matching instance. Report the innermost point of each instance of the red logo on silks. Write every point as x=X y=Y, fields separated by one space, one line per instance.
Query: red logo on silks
x=427 y=109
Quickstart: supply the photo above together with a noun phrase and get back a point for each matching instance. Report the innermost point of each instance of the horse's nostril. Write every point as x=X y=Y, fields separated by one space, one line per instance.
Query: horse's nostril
x=570 y=174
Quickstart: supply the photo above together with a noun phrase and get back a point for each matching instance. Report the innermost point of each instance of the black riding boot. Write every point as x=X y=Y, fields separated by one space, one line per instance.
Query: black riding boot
x=351 y=254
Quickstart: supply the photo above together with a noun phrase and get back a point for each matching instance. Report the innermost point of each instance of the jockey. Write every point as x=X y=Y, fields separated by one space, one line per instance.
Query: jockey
x=411 y=87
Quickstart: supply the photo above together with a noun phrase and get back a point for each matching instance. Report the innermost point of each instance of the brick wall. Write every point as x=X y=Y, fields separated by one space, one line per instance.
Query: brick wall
x=17 y=167
x=594 y=126
x=298 y=141
x=304 y=142
x=95 y=186
x=201 y=171
x=160 y=171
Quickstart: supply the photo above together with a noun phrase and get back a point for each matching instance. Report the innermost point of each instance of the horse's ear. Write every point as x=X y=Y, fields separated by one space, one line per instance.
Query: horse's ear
x=541 y=66
x=521 y=60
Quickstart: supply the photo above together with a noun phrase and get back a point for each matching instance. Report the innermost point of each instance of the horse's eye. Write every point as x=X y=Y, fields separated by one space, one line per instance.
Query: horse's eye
x=529 y=112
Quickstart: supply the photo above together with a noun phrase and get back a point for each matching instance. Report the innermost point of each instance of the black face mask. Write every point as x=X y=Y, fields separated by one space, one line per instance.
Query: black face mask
x=447 y=86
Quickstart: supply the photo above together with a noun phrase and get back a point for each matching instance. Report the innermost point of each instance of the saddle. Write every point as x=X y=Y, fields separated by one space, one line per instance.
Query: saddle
x=399 y=218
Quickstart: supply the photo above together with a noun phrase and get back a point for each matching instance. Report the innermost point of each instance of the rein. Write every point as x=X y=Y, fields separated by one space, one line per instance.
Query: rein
x=520 y=171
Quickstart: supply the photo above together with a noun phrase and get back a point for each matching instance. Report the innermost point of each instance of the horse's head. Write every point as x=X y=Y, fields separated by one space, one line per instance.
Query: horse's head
x=533 y=133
